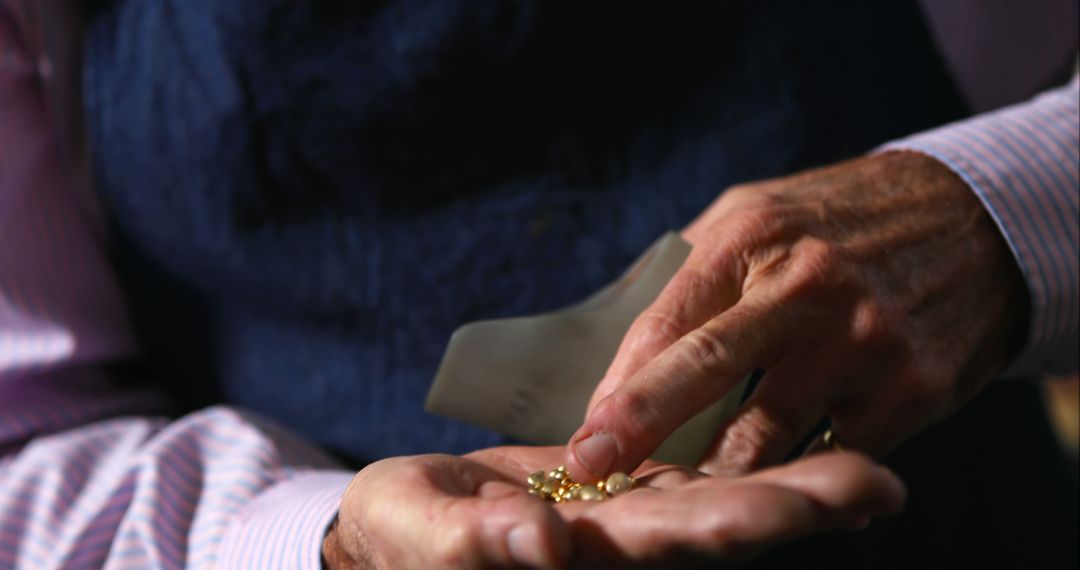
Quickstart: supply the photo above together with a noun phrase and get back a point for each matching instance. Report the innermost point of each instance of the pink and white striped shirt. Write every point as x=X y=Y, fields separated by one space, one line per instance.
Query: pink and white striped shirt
x=90 y=477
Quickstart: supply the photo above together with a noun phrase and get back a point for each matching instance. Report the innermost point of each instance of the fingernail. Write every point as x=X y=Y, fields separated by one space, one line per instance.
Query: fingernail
x=597 y=453
x=526 y=546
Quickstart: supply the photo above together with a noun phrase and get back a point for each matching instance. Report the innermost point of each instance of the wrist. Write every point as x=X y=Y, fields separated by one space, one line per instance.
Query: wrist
x=334 y=555
x=1009 y=310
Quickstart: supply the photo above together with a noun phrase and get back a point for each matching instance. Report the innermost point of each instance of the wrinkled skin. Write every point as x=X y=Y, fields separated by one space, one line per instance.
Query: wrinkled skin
x=441 y=512
x=877 y=293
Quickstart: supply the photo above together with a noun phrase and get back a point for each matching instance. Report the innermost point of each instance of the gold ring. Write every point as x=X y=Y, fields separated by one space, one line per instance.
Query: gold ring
x=830 y=440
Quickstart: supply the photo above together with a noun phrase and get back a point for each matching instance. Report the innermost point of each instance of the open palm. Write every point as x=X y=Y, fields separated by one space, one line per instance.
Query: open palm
x=441 y=511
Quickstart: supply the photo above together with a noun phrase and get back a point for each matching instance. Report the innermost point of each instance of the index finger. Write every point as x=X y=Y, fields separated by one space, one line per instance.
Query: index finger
x=704 y=286
x=629 y=424
x=686 y=302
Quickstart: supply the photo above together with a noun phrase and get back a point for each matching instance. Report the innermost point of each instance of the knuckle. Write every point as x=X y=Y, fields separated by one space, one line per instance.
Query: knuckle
x=412 y=472
x=757 y=217
x=749 y=198
x=634 y=411
x=723 y=531
x=872 y=324
x=419 y=469
x=721 y=537
x=705 y=348
x=815 y=262
x=740 y=191
x=745 y=440
x=761 y=202
x=657 y=326
x=759 y=427
x=760 y=220
x=755 y=211
x=455 y=544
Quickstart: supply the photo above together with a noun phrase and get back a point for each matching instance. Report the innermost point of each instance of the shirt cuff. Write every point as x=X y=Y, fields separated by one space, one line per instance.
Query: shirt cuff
x=284 y=527
x=1022 y=162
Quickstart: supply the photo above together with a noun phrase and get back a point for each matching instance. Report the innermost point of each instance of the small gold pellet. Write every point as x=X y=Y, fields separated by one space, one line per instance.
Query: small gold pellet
x=618 y=483
x=556 y=485
x=591 y=493
x=537 y=479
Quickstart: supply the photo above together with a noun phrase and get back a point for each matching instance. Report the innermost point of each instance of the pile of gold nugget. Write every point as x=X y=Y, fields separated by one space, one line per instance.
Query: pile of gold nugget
x=556 y=485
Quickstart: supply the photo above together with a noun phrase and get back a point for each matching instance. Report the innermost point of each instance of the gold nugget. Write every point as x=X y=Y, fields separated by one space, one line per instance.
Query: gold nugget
x=591 y=493
x=556 y=485
x=537 y=479
x=618 y=483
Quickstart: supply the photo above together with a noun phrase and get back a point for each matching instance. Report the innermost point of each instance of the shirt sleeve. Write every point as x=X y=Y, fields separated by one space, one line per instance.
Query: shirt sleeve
x=1023 y=162
x=218 y=488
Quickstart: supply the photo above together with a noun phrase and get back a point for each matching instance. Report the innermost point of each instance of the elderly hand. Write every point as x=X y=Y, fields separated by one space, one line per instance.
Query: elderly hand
x=877 y=293
x=439 y=511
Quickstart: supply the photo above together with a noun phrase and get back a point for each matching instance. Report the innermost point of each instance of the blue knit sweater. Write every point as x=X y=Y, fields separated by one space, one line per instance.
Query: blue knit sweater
x=309 y=197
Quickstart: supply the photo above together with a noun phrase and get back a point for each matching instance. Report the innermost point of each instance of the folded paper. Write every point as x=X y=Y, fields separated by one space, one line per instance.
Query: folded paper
x=531 y=377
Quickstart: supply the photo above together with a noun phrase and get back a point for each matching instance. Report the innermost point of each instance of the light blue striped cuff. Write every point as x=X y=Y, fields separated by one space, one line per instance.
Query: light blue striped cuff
x=284 y=527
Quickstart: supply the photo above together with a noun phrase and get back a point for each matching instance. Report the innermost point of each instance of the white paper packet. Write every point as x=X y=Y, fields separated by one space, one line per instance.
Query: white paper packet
x=531 y=377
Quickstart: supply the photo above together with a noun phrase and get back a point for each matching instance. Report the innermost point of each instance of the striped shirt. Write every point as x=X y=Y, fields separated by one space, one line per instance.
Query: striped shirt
x=91 y=477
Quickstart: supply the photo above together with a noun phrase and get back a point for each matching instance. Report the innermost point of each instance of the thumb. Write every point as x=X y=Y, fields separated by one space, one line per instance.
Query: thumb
x=436 y=511
x=516 y=528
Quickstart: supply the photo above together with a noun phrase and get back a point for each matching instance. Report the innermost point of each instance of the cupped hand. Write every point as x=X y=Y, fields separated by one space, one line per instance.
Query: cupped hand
x=439 y=511
x=877 y=293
